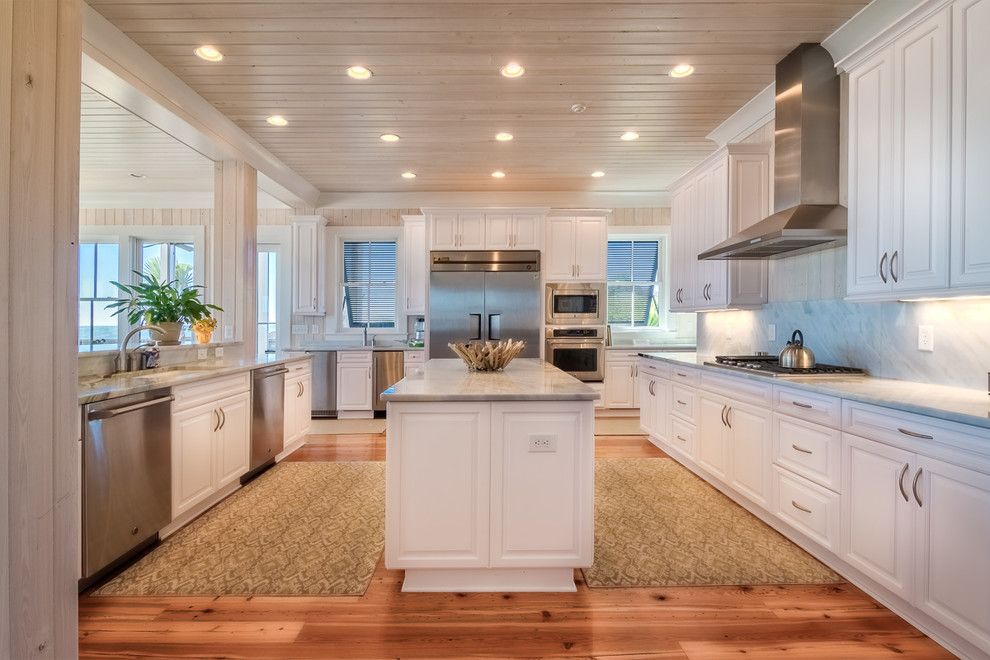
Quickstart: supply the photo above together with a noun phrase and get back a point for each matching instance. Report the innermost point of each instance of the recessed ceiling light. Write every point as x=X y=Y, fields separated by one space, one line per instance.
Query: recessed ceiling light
x=359 y=72
x=681 y=71
x=578 y=108
x=628 y=136
x=503 y=137
x=408 y=175
x=389 y=137
x=208 y=53
x=598 y=174
x=498 y=174
x=512 y=70
x=277 y=120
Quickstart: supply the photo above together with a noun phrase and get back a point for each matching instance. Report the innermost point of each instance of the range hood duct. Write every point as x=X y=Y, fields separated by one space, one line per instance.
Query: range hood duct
x=807 y=215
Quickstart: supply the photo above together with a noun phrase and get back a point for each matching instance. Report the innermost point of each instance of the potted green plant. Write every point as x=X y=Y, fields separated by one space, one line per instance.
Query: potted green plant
x=168 y=304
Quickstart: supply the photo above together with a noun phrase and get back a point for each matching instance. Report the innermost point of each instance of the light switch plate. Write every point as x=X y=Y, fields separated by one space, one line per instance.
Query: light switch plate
x=772 y=332
x=315 y=329
x=926 y=338
x=219 y=352
x=298 y=329
x=202 y=354
x=543 y=443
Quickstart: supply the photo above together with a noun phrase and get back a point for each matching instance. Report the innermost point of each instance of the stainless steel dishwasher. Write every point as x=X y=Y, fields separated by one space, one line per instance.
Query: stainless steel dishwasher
x=127 y=475
x=388 y=368
x=267 y=416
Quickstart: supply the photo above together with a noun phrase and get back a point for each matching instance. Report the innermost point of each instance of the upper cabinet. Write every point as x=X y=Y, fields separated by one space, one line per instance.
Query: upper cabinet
x=919 y=145
x=476 y=230
x=726 y=194
x=576 y=248
x=308 y=265
x=414 y=264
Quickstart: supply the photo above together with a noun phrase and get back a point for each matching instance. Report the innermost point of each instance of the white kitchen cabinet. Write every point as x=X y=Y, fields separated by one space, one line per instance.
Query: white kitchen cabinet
x=527 y=231
x=654 y=402
x=192 y=456
x=308 y=266
x=621 y=390
x=512 y=231
x=457 y=231
x=683 y=243
x=748 y=447
x=354 y=381
x=298 y=417
x=576 y=248
x=443 y=231
x=712 y=435
x=233 y=439
x=414 y=264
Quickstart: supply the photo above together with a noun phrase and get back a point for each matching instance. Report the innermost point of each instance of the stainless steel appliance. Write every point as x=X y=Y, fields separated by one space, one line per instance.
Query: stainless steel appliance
x=572 y=303
x=388 y=370
x=769 y=365
x=580 y=351
x=484 y=295
x=267 y=416
x=807 y=214
x=127 y=475
x=324 y=384
x=795 y=354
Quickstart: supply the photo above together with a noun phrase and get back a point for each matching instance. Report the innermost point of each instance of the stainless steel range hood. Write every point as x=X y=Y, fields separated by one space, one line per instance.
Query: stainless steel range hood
x=807 y=215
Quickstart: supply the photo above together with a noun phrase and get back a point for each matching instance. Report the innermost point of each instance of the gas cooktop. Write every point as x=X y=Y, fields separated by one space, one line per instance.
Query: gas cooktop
x=767 y=365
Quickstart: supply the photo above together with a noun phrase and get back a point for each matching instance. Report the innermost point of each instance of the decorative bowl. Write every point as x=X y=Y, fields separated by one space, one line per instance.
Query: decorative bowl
x=489 y=355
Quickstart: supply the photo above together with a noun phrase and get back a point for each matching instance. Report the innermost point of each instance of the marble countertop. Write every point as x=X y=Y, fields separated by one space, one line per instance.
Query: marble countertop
x=651 y=347
x=100 y=388
x=955 y=404
x=344 y=346
x=525 y=379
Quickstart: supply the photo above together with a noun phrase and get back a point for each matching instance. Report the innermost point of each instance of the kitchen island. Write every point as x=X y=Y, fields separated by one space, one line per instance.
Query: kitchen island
x=489 y=478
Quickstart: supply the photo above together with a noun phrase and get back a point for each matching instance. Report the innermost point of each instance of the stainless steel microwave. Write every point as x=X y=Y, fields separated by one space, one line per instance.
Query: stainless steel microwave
x=572 y=303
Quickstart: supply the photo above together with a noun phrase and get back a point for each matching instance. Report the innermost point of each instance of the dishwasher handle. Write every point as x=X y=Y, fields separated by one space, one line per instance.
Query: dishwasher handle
x=113 y=412
x=268 y=374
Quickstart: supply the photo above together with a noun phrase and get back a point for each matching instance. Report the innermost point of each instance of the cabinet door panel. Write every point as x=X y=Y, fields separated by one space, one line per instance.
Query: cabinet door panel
x=414 y=266
x=353 y=387
x=952 y=540
x=749 y=442
x=498 y=231
x=307 y=266
x=526 y=229
x=234 y=439
x=443 y=231
x=303 y=408
x=290 y=420
x=471 y=229
x=712 y=435
x=620 y=385
x=192 y=457
x=560 y=250
x=877 y=525
x=590 y=238
x=647 y=409
x=542 y=501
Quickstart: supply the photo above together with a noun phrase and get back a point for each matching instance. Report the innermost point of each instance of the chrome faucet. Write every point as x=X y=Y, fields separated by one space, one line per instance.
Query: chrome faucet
x=122 y=363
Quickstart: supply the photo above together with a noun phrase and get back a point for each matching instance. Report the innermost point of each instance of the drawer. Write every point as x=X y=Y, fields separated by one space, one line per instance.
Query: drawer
x=621 y=356
x=810 y=406
x=299 y=368
x=413 y=357
x=208 y=391
x=738 y=389
x=807 y=507
x=682 y=437
x=810 y=450
x=682 y=402
x=686 y=375
x=654 y=368
x=354 y=357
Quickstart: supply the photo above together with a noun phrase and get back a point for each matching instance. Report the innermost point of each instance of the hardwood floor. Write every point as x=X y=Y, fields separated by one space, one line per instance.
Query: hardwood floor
x=694 y=623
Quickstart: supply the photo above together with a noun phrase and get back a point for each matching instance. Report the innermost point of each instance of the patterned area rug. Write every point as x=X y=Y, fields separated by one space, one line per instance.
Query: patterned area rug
x=657 y=524
x=298 y=529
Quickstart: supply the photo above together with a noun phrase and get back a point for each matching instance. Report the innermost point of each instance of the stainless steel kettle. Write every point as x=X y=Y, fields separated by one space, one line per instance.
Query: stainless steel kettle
x=796 y=355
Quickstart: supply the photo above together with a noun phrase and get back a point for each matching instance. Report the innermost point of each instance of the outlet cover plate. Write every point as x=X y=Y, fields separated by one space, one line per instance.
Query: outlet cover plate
x=543 y=443
x=202 y=353
x=926 y=338
x=219 y=352
x=772 y=332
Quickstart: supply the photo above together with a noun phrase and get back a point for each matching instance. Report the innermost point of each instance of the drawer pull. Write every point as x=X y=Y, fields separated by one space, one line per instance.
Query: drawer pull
x=681 y=402
x=900 y=483
x=680 y=374
x=915 y=434
x=681 y=439
x=799 y=507
x=801 y=449
x=802 y=405
x=914 y=487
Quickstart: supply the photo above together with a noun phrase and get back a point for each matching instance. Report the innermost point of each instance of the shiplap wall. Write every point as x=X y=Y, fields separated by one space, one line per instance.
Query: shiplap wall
x=111 y=217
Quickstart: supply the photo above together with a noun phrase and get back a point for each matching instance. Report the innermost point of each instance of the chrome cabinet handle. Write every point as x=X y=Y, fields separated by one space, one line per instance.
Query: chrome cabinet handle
x=223 y=416
x=579 y=270
x=652 y=391
x=900 y=483
x=801 y=449
x=915 y=434
x=893 y=266
x=883 y=260
x=914 y=486
x=681 y=402
x=799 y=507
x=680 y=374
x=216 y=426
x=302 y=389
x=723 y=416
x=728 y=421
x=802 y=405
x=681 y=439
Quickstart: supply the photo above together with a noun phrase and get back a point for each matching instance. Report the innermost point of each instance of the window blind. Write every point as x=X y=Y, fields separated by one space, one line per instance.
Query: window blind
x=632 y=281
x=370 y=270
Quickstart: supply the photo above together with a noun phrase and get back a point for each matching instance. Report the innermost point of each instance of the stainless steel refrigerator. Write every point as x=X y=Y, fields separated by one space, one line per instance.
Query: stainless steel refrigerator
x=479 y=295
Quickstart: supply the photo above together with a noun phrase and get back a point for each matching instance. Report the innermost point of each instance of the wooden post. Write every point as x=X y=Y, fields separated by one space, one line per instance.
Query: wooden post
x=234 y=251
x=40 y=51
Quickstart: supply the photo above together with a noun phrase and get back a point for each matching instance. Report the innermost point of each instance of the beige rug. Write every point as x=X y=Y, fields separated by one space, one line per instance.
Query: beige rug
x=657 y=524
x=618 y=426
x=298 y=529
x=346 y=426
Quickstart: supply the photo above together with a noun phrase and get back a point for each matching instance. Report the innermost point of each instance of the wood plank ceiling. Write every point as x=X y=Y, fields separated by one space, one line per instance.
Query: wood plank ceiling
x=114 y=144
x=437 y=85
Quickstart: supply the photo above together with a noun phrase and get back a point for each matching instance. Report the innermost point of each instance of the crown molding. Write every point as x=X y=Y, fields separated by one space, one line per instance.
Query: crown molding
x=556 y=199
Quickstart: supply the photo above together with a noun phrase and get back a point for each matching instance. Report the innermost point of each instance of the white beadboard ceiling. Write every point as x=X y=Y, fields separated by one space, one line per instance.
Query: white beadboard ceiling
x=436 y=82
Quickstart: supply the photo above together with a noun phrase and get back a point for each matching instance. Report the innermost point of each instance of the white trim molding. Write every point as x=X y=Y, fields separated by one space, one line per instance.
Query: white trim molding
x=495 y=199
x=755 y=113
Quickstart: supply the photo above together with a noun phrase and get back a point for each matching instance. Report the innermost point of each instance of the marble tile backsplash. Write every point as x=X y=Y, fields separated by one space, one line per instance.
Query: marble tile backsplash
x=879 y=337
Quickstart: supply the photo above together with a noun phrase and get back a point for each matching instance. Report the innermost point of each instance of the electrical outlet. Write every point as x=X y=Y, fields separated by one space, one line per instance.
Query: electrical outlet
x=202 y=354
x=926 y=338
x=298 y=329
x=772 y=332
x=543 y=443
x=219 y=352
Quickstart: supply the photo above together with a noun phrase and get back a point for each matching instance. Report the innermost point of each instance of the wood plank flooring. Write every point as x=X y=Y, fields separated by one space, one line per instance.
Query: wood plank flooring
x=691 y=623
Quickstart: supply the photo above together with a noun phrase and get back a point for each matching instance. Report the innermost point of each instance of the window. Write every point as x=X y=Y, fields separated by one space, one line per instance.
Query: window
x=634 y=282
x=267 y=299
x=99 y=265
x=177 y=259
x=369 y=283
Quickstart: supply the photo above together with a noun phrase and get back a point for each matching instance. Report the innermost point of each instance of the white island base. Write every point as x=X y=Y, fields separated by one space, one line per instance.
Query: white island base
x=489 y=478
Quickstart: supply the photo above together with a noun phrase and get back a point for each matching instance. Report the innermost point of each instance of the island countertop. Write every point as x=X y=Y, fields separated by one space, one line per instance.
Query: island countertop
x=525 y=379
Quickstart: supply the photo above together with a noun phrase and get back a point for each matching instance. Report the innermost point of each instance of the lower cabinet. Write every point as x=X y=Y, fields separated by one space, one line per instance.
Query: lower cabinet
x=621 y=382
x=712 y=435
x=298 y=415
x=354 y=381
x=654 y=405
x=748 y=448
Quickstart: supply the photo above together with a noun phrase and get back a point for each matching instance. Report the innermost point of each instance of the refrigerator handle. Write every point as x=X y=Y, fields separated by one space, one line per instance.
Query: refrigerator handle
x=476 y=320
x=495 y=327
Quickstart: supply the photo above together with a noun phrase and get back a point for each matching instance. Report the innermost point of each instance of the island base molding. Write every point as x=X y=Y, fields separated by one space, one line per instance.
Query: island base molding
x=466 y=580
